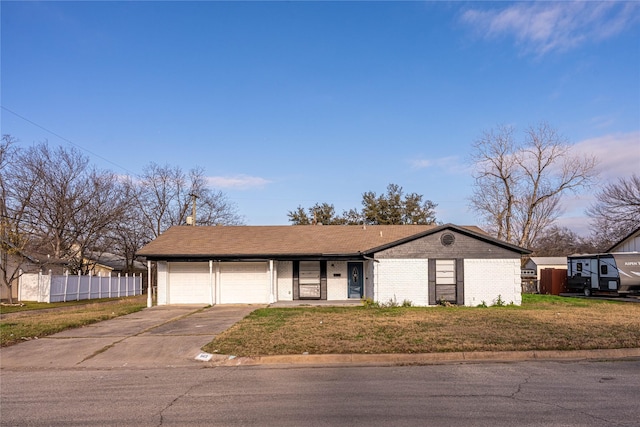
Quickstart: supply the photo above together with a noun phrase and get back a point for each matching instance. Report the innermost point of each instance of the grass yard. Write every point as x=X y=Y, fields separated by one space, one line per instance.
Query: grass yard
x=41 y=319
x=541 y=323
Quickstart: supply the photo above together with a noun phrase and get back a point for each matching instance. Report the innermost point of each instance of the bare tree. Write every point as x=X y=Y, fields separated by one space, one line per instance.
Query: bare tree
x=496 y=176
x=616 y=211
x=518 y=186
x=129 y=233
x=13 y=240
x=71 y=207
x=561 y=241
x=165 y=193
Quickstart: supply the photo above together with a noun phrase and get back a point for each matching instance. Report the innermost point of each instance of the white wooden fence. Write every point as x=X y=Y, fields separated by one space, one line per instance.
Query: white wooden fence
x=57 y=288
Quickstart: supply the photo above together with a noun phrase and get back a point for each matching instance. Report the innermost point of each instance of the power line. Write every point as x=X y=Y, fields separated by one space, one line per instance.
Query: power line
x=66 y=140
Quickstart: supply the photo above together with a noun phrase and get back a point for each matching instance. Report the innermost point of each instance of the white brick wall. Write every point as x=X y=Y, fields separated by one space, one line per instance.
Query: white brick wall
x=401 y=279
x=285 y=280
x=486 y=279
x=337 y=286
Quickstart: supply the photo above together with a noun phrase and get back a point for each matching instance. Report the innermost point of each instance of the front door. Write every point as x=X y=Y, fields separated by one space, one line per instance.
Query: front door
x=356 y=279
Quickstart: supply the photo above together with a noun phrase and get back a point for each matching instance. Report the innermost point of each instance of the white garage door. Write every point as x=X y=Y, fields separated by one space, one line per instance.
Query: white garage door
x=189 y=283
x=244 y=283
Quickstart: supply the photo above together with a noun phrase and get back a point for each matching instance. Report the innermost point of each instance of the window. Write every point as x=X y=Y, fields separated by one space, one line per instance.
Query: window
x=579 y=266
x=604 y=269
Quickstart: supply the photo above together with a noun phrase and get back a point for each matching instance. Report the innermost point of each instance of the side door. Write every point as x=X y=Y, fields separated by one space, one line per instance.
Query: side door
x=609 y=276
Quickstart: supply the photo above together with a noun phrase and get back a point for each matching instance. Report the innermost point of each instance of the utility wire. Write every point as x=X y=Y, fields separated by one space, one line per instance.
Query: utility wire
x=66 y=140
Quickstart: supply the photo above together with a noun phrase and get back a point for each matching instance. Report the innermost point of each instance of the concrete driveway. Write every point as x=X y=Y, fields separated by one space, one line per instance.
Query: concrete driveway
x=161 y=336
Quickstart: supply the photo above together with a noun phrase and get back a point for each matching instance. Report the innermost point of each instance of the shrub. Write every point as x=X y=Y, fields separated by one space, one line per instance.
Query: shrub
x=391 y=303
x=370 y=303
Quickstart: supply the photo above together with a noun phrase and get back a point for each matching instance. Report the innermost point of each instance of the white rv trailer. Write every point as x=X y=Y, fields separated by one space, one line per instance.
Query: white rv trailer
x=612 y=272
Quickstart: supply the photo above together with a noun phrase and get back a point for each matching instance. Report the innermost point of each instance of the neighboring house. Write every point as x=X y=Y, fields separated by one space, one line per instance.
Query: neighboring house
x=108 y=264
x=631 y=243
x=264 y=264
x=15 y=263
x=531 y=272
x=31 y=262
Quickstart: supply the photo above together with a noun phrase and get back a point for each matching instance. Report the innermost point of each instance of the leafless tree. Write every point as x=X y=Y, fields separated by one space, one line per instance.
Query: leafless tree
x=129 y=233
x=616 y=211
x=72 y=207
x=165 y=195
x=518 y=186
x=55 y=203
x=561 y=241
x=496 y=178
x=13 y=240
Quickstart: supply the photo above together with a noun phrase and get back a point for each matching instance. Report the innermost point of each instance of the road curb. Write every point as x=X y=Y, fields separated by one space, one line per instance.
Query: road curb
x=425 y=358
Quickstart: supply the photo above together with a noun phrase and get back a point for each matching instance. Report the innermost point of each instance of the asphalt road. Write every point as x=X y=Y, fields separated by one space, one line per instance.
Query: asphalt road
x=547 y=393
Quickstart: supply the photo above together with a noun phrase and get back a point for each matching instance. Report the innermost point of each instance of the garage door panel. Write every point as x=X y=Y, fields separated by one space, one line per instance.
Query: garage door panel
x=189 y=283
x=244 y=283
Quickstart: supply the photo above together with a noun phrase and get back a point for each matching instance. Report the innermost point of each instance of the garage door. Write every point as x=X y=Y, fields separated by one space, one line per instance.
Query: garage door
x=244 y=283
x=189 y=283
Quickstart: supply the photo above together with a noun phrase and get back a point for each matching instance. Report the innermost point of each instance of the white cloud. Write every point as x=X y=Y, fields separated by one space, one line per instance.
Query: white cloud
x=450 y=164
x=618 y=154
x=543 y=27
x=238 y=182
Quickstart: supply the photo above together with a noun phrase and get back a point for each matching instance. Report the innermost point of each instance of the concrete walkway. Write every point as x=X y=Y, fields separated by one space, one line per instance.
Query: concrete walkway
x=160 y=336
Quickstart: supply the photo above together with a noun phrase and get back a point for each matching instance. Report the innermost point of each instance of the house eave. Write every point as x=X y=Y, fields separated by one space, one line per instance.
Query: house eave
x=253 y=257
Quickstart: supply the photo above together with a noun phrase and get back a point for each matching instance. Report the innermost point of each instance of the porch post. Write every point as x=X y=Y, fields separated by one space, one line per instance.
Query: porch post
x=211 y=281
x=149 y=287
x=272 y=297
x=218 y=292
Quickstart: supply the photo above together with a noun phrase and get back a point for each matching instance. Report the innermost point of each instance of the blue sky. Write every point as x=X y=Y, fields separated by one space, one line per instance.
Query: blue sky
x=292 y=103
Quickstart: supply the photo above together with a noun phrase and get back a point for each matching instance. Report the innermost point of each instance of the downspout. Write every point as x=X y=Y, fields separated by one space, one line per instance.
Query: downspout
x=375 y=277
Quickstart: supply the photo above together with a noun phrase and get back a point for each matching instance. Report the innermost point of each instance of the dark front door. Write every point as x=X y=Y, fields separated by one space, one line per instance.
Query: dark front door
x=356 y=279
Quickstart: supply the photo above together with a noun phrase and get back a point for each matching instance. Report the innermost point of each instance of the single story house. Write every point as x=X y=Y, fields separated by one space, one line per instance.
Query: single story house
x=108 y=264
x=17 y=262
x=263 y=264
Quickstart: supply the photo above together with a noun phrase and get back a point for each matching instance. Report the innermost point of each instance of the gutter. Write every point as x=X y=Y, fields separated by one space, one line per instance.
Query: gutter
x=369 y=258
